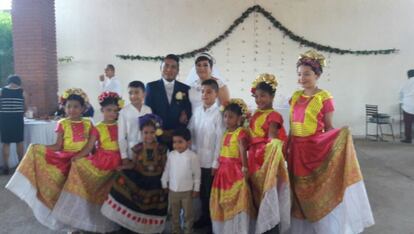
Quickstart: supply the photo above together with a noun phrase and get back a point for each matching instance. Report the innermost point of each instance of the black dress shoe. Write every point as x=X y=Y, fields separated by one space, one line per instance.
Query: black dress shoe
x=406 y=141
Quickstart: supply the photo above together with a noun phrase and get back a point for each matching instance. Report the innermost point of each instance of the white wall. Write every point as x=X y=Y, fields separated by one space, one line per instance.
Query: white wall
x=94 y=31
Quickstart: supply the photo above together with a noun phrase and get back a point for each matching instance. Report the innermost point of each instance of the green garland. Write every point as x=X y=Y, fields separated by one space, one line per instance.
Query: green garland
x=276 y=24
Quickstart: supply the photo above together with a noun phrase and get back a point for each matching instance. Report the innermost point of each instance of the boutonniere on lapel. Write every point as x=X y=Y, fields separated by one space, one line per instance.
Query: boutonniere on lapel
x=179 y=96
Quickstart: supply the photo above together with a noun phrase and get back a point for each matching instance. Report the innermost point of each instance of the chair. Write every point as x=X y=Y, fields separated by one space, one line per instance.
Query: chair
x=373 y=117
x=401 y=122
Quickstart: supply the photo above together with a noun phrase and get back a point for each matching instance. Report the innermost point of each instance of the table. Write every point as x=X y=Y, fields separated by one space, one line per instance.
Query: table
x=35 y=132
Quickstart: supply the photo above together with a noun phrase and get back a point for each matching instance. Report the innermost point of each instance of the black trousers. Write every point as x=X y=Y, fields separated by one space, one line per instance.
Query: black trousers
x=408 y=123
x=205 y=190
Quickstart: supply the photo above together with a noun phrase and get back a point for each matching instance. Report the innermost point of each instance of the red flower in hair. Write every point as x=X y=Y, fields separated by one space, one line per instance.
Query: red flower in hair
x=106 y=95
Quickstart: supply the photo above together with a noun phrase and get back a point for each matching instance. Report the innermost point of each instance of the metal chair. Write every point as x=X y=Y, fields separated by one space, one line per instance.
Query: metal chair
x=373 y=117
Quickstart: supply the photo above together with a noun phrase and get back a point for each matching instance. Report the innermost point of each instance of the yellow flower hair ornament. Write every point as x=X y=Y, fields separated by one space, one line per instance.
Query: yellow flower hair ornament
x=73 y=91
x=155 y=119
x=313 y=59
x=314 y=55
x=244 y=109
x=269 y=79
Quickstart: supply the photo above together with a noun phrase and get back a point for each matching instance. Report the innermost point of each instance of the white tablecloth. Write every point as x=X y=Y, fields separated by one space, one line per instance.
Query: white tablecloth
x=36 y=132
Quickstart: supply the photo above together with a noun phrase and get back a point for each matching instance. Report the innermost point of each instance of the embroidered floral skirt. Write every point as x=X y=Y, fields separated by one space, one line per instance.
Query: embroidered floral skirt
x=231 y=204
x=137 y=201
x=39 y=180
x=329 y=192
x=89 y=182
x=270 y=187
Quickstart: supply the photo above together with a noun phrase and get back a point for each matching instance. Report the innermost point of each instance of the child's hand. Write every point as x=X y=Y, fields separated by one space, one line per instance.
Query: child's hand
x=126 y=167
x=120 y=168
x=101 y=77
x=246 y=174
x=183 y=117
x=126 y=164
x=196 y=194
x=75 y=158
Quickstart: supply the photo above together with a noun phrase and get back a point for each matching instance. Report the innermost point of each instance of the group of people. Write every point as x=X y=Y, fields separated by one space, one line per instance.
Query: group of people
x=174 y=143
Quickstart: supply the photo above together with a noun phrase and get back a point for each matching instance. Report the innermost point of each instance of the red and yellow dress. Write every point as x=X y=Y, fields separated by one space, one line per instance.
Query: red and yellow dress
x=42 y=173
x=89 y=182
x=231 y=205
x=329 y=192
x=268 y=173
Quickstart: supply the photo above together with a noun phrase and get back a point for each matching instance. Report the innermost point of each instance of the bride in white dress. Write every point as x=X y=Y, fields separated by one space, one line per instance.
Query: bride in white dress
x=203 y=69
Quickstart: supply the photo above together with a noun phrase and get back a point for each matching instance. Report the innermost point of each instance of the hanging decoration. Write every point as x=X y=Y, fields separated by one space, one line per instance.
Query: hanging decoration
x=276 y=24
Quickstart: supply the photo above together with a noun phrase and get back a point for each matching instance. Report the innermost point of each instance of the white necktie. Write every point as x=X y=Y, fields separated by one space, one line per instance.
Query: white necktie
x=169 y=89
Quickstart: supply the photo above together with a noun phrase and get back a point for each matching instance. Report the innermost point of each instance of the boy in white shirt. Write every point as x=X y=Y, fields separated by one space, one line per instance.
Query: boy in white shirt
x=207 y=128
x=128 y=130
x=182 y=177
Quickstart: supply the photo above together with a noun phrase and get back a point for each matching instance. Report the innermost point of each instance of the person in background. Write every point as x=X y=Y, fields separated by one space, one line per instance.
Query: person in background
x=12 y=107
x=109 y=82
x=407 y=101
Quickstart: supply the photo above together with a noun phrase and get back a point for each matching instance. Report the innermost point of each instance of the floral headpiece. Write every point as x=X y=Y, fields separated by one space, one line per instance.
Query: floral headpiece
x=244 y=109
x=155 y=119
x=105 y=95
x=241 y=104
x=269 y=79
x=313 y=59
x=76 y=91
x=205 y=54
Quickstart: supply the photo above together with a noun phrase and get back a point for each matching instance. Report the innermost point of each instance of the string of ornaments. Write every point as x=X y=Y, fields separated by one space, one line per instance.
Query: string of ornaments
x=276 y=24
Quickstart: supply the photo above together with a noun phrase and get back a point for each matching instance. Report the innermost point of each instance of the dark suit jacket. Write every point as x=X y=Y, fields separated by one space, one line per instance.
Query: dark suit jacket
x=156 y=98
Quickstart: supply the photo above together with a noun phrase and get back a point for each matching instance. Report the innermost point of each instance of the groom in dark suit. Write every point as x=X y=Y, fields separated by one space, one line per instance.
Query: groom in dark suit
x=168 y=98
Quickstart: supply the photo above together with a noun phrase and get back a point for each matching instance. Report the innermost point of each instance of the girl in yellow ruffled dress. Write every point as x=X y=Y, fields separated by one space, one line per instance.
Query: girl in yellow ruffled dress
x=267 y=166
x=231 y=204
x=91 y=175
x=42 y=173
